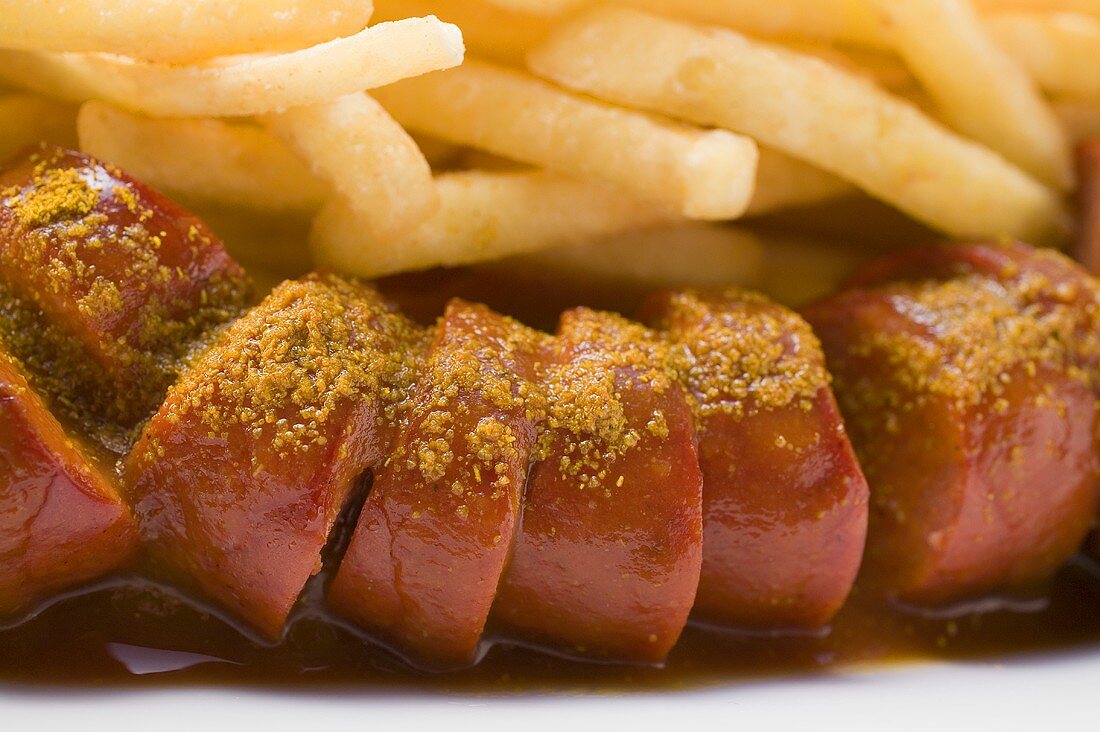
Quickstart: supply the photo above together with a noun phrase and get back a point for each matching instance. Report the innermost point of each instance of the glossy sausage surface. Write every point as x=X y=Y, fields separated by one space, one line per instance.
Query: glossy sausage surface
x=585 y=491
x=439 y=524
x=122 y=279
x=62 y=521
x=238 y=479
x=607 y=561
x=784 y=500
x=967 y=376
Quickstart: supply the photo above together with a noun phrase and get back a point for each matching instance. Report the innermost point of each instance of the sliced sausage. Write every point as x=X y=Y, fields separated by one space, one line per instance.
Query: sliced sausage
x=784 y=500
x=967 y=377
x=237 y=480
x=122 y=278
x=607 y=561
x=61 y=519
x=439 y=524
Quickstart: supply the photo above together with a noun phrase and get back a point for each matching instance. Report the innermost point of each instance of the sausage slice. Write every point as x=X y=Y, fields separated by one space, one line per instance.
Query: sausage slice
x=61 y=519
x=237 y=480
x=784 y=500
x=607 y=561
x=439 y=524
x=121 y=281
x=967 y=375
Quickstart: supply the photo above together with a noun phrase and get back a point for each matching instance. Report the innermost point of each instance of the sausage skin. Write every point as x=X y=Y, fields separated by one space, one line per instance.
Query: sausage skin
x=967 y=374
x=784 y=499
x=607 y=561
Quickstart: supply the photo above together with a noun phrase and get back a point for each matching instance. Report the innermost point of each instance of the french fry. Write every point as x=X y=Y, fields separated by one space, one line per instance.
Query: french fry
x=48 y=74
x=806 y=108
x=786 y=182
x=850 y=21
x=244 y=85
x=688 y=255
x=489 y=31
x=980 y=90
x=1091 y=7
x=882 y=67
x=484 y=216
x=538 y=7
x=352 y=144
x=26 y=119
x=703 y=174
x=178 y=32
x=1057 y=49
x=202 y=161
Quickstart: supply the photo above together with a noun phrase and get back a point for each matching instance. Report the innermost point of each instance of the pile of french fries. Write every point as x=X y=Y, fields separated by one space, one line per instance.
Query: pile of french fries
x=424 y=133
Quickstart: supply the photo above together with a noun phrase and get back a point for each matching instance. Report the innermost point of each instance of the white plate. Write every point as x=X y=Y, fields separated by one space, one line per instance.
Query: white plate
x=1035 y=694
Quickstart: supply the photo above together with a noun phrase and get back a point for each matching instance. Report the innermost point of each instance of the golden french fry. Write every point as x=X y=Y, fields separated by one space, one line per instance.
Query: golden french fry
x=850 y=21
x=704 y=174
x=882 y=67
x=48 y=74
x=538 y=7
x=1051 y=6
x=178 y=32
x=806 y=108
x=1057 y=49
x=979 y=89
x=26 y=119
x=484 y=216
x=688 y=255
x=369 y=159
x=786 y=182
x=202 y=161
x=244 y=85
x=489 y=31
